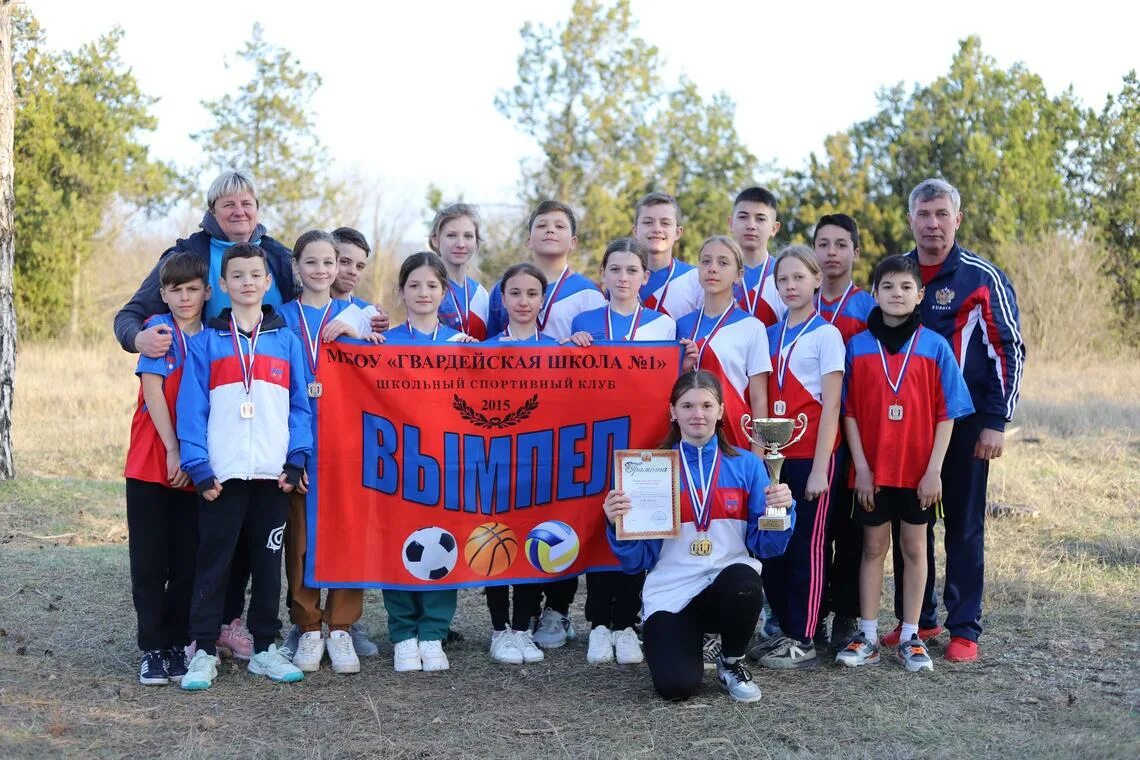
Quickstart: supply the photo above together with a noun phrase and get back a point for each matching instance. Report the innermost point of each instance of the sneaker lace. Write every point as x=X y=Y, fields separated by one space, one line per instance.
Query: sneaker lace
x=239 y=631
x=711 y=648
x=739 y=671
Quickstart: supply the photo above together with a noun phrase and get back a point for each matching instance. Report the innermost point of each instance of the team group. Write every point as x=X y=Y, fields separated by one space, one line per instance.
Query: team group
x=906 y=391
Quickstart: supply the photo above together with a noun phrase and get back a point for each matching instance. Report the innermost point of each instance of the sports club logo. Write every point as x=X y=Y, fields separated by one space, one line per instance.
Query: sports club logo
x=731 y=505
x=944 y=297
x=276 y=536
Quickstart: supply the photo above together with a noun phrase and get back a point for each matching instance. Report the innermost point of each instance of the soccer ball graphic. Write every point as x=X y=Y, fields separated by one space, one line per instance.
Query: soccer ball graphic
x=551 y=546
x=430 y=553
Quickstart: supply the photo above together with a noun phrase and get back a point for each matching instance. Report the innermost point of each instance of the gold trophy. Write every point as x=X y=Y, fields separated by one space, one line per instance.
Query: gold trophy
x=773 y=434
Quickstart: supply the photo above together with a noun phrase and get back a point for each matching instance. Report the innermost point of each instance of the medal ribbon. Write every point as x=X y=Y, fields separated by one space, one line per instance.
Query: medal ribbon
x=759 y=291
x=716 y=327
x=896 y=384
x=702 y=509
x=551 y=298
x=660 y=306
x=838 y=307
x=635 y=322
x=434 y=333
x=246 y=367
x=464 y=311
x=537 y=335
x=313 y=342
x=179 y=339
x=782 y=359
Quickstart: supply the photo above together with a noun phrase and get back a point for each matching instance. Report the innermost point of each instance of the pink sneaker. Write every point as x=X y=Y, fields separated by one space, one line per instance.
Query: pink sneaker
x=235 y=641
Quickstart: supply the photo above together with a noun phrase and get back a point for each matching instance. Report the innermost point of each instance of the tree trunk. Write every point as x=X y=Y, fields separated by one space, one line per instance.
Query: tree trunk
x=7 y=201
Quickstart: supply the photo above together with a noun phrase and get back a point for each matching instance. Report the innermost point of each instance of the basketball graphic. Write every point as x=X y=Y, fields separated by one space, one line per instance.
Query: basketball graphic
x=552 y=546
x=490 y=549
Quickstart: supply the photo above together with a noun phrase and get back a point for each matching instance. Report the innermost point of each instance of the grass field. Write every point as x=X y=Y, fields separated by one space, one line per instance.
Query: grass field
x=1059 y=675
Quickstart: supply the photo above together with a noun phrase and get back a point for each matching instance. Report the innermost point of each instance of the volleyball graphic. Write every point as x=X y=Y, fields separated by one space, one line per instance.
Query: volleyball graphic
x=552 y=546
x=491 y=549
x=430 y=553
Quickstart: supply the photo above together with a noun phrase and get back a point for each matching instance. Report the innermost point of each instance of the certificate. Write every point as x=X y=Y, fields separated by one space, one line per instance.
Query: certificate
x=652 y=481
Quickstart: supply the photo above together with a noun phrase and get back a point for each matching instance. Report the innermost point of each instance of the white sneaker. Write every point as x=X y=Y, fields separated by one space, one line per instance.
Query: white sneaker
x=432 y=656
x=201 y=672
x=551 y=631
x=504 y=648
x=601 y=647
x=289 y=643
x=627 y=647
x=310 y=651
x=407 y=656
x=275 y=665
x=525 y=643
x=342 y=652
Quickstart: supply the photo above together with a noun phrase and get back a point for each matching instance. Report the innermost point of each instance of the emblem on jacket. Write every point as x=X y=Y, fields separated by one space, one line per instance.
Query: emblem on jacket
x=944 y=296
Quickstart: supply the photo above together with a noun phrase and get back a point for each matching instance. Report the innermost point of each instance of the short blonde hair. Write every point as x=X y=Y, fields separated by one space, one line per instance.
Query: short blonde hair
x=801 y=252
x=728 y=243
x=450 y=214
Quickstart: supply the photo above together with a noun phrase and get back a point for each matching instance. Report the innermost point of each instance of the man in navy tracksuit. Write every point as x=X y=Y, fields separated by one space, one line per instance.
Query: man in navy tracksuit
x=971 y=303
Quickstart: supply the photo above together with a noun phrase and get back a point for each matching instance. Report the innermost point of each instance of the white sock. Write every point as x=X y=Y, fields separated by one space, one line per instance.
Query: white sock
x=909 y=631
x=870 y=629
x=731 y=660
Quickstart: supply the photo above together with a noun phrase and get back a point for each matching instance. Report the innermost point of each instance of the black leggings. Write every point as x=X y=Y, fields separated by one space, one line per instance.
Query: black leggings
x=613 y=598
x=498 y=604
x=729 y=606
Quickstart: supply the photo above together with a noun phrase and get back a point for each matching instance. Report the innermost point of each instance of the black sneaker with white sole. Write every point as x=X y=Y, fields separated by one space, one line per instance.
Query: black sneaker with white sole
x=152 y=671
x=175 y=661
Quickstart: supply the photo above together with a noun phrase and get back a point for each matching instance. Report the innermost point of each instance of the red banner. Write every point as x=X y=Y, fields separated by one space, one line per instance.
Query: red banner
x=452 y=465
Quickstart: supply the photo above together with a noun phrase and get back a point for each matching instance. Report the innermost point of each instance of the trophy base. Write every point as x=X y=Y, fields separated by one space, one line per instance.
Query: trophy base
x=781 y=523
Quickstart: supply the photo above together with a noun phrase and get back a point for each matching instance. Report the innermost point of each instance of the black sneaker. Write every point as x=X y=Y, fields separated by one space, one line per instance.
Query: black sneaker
x=152 y=672
x=710 y=650
x=175 y=661
x=822 y=637
x=843 y=629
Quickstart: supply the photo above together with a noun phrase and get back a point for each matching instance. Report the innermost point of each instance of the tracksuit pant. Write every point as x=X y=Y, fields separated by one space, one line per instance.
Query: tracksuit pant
x=343 y=606
x=163 y=528
x=730 y=606
x=258 y=508
x=964 y=481
x=425 y=615
x=794 y=582
x=844 y=545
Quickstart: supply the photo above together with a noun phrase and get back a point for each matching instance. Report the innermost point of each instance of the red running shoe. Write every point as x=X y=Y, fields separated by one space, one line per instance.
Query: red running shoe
x=961 y=650
x=892 y=638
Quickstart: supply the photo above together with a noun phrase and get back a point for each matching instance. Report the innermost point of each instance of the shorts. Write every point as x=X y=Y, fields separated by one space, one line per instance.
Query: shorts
x=893 y=504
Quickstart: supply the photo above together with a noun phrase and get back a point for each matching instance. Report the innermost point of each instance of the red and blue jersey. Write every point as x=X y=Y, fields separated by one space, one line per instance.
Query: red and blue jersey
x=643 y=324
x=734 y=506
x=464 y=308
x=505 y=338
x=734 y=349
x=801 y=356
x=758 y=295
x=674 y=290
x=146 y=454
x=930 y=390
x=848 y=312
x=566 y=298
x=971 y=303
x=220 y=436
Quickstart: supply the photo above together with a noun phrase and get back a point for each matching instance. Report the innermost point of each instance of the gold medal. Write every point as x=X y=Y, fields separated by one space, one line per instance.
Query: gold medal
x=315 y=390
x=701 y=546
x=247 y=410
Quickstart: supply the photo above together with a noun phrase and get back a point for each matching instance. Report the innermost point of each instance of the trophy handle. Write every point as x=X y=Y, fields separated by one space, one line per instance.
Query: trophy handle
x=746 y=424
x=801 y=425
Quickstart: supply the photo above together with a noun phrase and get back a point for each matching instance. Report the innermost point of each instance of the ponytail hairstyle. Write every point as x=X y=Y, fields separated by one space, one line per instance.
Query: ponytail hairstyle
x=428 y=259
x=523 y=268
x=310 y=237
x=702 y=380
x=627 y=245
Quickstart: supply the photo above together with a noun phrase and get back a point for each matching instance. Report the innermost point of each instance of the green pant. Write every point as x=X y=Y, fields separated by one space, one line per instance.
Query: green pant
x=425 y=615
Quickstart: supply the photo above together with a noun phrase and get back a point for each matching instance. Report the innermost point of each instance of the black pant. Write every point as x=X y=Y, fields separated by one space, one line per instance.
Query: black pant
x=846 y=535
x=499 y=605
x=613 y=598
x=235 y=589
x=729 y=606
x=257 y=509
x=163 y=527
x=560 y=594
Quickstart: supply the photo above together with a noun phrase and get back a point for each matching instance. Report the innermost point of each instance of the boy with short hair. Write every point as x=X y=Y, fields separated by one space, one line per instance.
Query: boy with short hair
x=352 y=254
x=752 y=224
x=244 y=427
x=162 y=507
x=674 y=287
x=902 y=392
